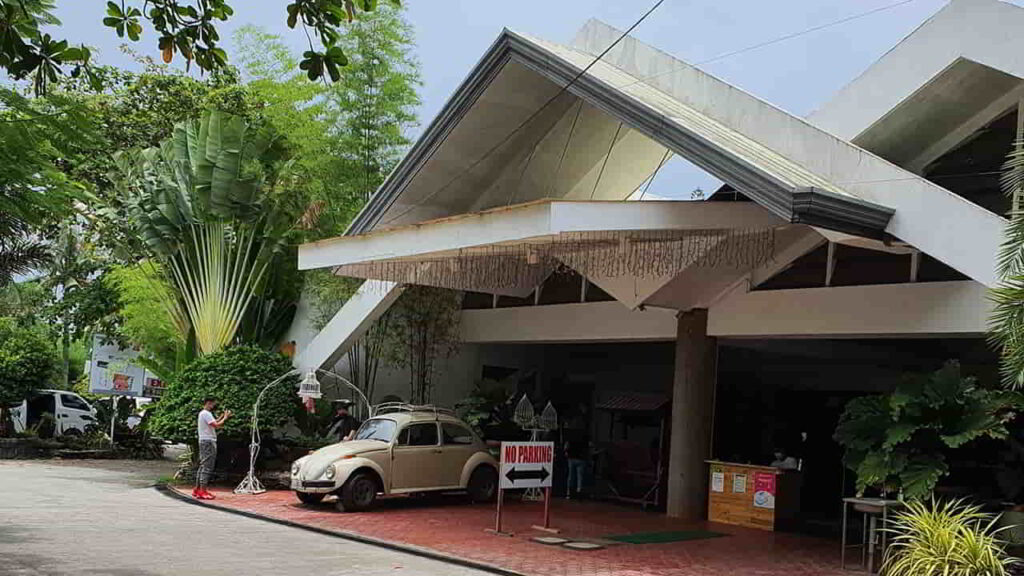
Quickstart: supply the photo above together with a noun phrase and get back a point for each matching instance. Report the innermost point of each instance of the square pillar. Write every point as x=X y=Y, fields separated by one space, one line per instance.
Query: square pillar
x=693 y=404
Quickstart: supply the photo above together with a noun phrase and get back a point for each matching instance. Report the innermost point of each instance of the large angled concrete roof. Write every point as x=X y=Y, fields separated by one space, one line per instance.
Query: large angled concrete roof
x=791 y=167
x=781 y=185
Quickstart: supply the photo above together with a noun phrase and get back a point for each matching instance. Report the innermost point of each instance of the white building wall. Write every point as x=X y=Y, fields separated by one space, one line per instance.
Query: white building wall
x=904 y=310
x=456 y=376
x=986 y=31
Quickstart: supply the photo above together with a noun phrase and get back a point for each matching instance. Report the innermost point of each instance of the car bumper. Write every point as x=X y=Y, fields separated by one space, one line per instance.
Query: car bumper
x=314 y=486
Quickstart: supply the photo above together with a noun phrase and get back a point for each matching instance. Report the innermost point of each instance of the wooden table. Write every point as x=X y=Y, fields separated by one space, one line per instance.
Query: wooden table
x=751 y=495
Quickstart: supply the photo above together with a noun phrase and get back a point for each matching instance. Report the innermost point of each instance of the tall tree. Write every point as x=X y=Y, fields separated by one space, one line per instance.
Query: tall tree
x=135 y=110
x=351 y=133
x=34 y=190
x=424 y=328
x=214 y=206
x=375 y=103
x=376 y=100
x=81 y=298
x=143 y=293
x=185 y=28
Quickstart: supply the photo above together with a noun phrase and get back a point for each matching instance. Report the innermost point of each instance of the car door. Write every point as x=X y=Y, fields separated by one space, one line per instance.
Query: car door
x=74 y=413
x=457 y=445
x=414 y=458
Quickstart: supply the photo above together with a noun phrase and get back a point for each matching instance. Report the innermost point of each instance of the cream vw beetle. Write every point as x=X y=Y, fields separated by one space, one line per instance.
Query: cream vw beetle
x=402 y=449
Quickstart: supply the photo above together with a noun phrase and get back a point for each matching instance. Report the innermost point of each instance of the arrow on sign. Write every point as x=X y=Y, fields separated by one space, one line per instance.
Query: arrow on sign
x=513 y=474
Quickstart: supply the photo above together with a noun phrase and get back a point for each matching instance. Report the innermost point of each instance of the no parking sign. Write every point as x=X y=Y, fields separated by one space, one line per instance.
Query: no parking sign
x=527 y=464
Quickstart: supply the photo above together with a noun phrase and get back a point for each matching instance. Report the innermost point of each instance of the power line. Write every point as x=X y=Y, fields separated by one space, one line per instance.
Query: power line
x=650 y=180
x=723 y=56
x=801 y=33
x=522 y=124
x=776 y=40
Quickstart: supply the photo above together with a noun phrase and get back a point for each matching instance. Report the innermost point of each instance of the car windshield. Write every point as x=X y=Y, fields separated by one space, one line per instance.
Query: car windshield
x=381 y=429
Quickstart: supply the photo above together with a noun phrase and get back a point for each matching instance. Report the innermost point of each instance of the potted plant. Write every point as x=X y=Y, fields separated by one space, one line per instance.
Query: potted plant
x=950 y=537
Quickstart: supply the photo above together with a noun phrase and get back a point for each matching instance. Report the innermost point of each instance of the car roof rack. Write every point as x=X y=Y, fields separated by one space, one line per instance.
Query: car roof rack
x=392 y=407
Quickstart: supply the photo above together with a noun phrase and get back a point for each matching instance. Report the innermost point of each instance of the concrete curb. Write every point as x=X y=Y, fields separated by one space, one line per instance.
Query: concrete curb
x=172 y=492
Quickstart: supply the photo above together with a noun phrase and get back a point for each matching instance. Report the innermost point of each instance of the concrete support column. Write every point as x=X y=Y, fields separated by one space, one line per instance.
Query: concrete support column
x=693 y=400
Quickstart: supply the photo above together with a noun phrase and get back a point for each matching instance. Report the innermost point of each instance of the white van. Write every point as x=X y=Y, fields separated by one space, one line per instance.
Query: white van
x=71 y=412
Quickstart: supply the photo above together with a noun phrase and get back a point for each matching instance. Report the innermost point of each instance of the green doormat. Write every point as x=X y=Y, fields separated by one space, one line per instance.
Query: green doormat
x=664 y=537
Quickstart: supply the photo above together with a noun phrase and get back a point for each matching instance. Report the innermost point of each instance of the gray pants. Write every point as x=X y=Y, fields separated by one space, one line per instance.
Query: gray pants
x=207 y=460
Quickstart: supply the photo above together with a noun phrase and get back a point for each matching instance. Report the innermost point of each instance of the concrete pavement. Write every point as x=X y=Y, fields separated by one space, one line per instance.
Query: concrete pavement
x=62 y=518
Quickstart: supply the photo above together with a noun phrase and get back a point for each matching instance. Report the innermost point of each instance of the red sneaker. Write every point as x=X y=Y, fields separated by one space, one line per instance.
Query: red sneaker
x=206 y=495
x=196 y=493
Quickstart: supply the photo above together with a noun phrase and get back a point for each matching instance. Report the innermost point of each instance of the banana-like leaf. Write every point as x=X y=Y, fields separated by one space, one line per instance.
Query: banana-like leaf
x=217 y=276
x=202 y=205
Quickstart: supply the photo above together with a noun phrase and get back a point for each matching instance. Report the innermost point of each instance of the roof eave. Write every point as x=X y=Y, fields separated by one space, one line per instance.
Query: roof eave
x=796 y=205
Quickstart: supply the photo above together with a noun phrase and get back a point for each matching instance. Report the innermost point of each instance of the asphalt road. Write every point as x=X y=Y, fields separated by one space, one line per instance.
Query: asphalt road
x=104 y=518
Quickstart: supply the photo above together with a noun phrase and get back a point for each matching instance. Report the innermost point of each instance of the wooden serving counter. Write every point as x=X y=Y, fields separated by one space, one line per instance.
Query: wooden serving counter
x=752 y=496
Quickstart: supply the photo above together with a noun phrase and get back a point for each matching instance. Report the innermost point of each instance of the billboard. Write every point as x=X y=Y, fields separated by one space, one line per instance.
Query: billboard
x=115 y=371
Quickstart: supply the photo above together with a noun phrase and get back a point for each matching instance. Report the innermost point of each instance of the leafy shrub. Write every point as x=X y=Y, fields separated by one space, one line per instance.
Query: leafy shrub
x=950 y=538
x=26 y=360
x=235 y=376
x=488 y=405
x=142 y=294
x=898 y=441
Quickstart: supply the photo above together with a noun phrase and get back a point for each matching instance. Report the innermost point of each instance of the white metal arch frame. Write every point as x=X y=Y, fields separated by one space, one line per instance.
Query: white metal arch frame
x=309 y=387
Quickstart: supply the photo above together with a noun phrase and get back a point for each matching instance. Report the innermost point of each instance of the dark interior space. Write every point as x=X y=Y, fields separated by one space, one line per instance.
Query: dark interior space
x=771 y=394
x=972 y=170
x=789 y=394
x=855 y=266
x=616 y=397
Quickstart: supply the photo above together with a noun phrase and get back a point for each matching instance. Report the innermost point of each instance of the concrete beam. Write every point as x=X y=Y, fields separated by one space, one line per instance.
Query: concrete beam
x=591 y=322
x=535 y=221
x=346 y=327
x=893 y=310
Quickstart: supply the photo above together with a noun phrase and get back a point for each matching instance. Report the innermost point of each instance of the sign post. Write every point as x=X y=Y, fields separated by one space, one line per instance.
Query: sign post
x=113 y=417
x=526 y=465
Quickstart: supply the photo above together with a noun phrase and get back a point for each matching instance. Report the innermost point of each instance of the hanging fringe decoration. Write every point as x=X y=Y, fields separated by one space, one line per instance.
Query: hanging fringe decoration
x=643 y=254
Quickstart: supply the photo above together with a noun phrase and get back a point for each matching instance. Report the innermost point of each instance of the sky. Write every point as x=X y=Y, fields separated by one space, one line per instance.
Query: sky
x=797 y=74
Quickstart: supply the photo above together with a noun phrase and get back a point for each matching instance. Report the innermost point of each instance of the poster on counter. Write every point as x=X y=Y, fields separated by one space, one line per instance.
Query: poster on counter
x=739 y=483
x=717 y=480
x=764 y=490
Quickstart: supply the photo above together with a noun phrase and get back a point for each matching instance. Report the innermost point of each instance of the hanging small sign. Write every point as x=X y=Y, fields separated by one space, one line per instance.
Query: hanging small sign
x=739 y=483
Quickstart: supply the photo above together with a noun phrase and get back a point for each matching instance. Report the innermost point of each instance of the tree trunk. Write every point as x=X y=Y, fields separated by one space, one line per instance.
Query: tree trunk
x=65 y=355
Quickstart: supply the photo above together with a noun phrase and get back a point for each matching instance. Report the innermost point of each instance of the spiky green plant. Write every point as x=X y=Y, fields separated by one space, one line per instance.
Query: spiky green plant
x=950 y=538
x=211 y=204
x=1006 y=324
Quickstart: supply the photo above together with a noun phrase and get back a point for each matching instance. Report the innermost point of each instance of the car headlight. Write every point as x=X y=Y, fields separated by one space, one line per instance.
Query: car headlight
x=329 y=474
x=295 y=468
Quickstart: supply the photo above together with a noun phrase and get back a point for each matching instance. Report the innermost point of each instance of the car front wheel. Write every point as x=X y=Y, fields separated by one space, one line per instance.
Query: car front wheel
x=483 y=484
x=359 y=493
x=308 y=498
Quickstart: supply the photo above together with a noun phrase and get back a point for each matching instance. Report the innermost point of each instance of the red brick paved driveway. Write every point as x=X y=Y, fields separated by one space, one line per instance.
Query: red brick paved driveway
x=450 y=526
